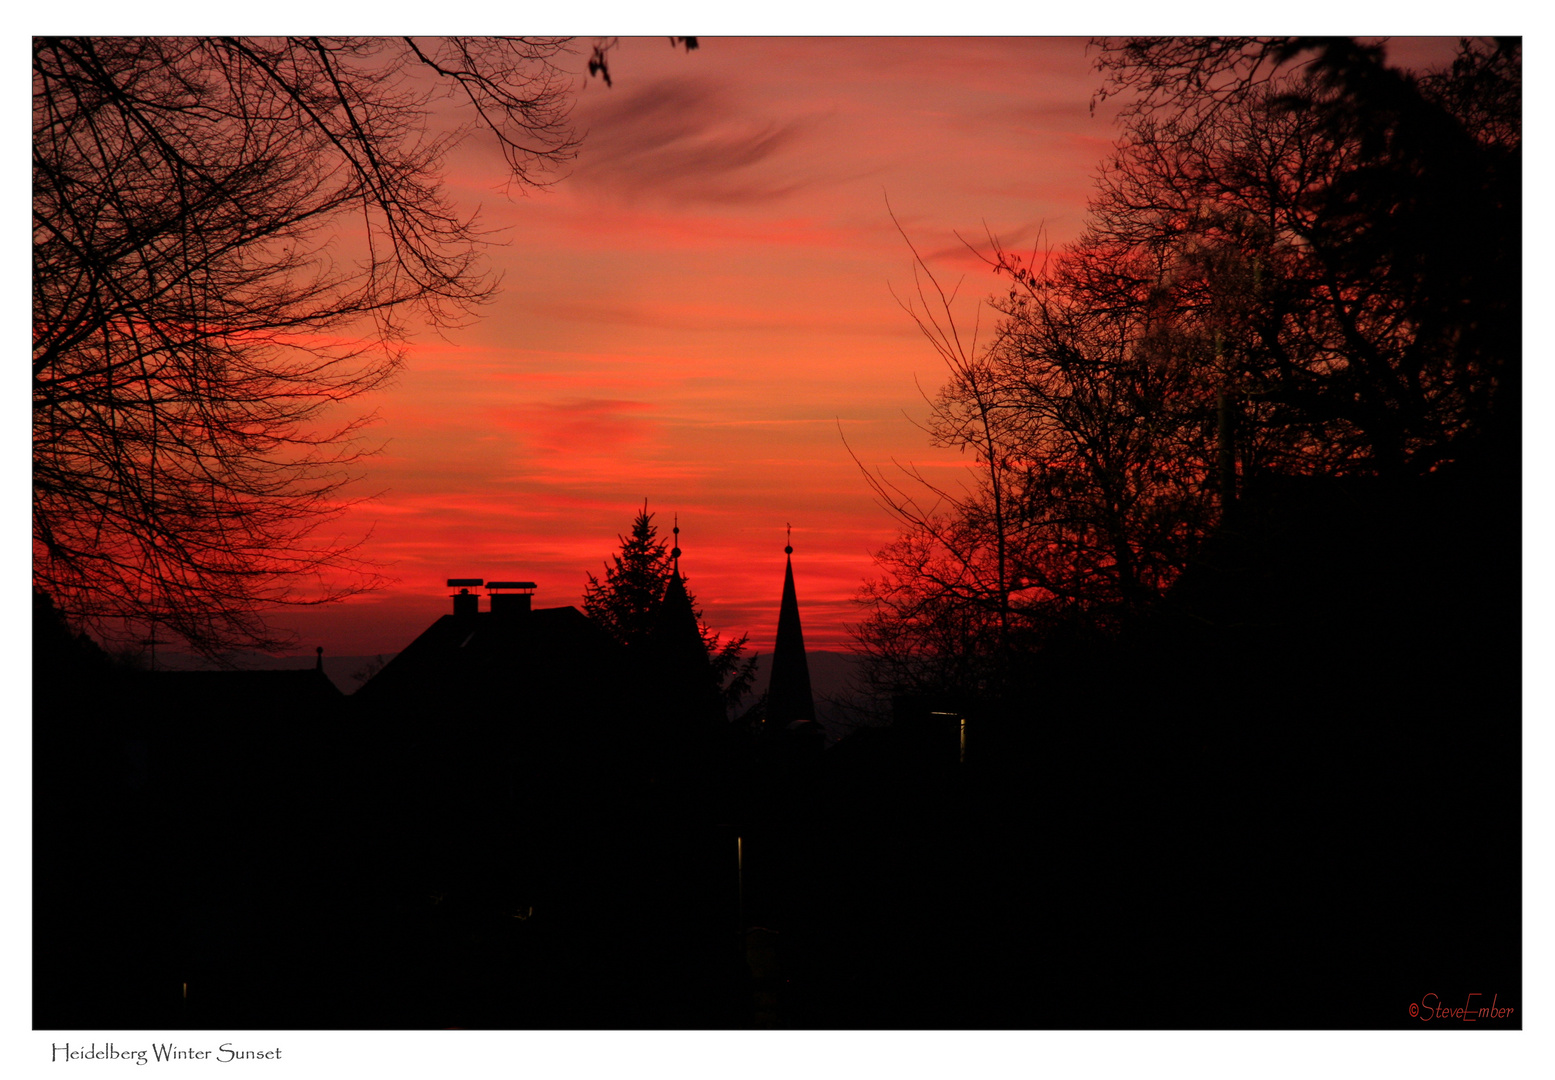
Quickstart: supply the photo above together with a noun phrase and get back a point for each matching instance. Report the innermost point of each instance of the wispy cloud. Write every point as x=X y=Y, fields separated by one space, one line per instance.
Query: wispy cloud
x=580 y=427
x=684 y=140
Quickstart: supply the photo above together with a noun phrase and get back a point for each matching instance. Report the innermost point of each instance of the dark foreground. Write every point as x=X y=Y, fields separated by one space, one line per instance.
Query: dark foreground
x=1291 y=801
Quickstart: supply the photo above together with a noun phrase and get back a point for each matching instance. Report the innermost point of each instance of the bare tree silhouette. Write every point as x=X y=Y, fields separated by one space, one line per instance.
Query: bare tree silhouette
x=1294 y=192
x=229 y=237
x=1258 y=292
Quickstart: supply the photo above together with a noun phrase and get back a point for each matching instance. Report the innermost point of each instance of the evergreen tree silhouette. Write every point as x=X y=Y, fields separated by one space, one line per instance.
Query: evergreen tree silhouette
x=626 y=603
x=628 y=600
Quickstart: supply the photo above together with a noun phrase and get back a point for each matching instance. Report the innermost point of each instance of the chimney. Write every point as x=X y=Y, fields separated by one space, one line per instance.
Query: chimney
x=466 y=603
x=511 y=604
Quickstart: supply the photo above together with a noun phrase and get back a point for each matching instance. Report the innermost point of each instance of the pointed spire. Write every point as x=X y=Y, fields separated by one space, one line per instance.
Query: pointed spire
x=788 y=695
x=677 y=622
x=682 y=667
x=677 y=618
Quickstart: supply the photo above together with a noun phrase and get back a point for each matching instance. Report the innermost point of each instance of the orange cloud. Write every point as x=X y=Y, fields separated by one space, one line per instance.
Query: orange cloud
x=689 y=315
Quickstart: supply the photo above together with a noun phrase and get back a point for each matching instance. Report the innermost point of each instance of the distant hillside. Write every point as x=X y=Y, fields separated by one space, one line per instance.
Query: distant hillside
x=833 y=682
x=832 y=674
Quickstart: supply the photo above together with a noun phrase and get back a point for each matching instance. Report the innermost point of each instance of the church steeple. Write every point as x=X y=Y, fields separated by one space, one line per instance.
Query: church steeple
x=788 y=696
x=677 y=632
x=678 y=654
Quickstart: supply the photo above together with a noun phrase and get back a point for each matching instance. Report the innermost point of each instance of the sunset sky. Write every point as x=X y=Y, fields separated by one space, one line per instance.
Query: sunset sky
x=697 y=313
x=702 y=309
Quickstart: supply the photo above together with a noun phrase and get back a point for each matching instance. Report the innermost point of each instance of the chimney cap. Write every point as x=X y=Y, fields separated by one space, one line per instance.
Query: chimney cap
x=510 y=585
x=464 y=582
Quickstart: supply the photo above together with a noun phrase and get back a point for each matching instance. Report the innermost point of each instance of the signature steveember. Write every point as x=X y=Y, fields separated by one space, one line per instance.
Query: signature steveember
x=1430 y=1007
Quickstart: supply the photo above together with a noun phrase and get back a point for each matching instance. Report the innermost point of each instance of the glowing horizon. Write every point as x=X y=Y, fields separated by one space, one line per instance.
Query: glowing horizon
x=702 y=311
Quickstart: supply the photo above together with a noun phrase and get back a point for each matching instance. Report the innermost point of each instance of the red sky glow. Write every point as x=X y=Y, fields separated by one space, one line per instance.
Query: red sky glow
x=701 y=310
